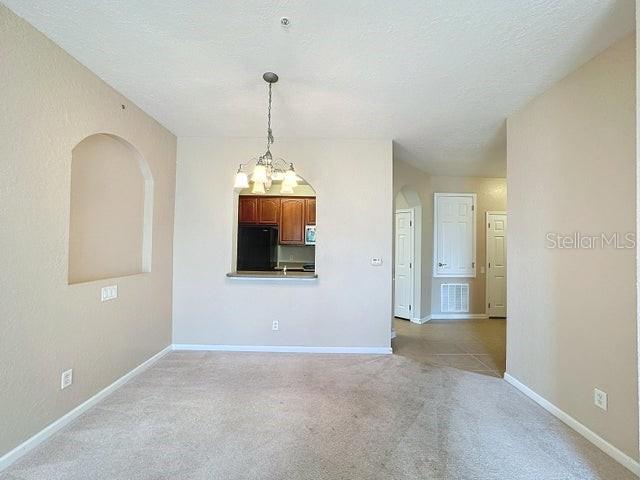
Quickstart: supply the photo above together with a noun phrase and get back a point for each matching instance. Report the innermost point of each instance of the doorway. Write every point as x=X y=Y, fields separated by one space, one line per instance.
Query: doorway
x=496 y=288
x=404 y=280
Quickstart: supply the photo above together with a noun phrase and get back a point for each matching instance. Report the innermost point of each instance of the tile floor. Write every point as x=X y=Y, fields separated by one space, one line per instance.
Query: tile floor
x=471 y=345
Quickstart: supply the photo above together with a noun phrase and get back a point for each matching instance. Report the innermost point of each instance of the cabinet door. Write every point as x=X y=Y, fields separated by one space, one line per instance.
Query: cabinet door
x=292 y=221
x=310 y=211
x=247 y=210
x=268 y=210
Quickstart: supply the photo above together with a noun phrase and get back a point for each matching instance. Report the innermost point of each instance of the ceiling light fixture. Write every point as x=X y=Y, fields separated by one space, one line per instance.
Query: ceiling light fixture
x=267 y=169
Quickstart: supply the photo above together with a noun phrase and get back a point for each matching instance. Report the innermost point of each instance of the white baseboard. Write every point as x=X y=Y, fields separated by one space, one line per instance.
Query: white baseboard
x=283 y=349
x=590 y=435
x=458 y=316
x=29 y=444
x=422 y=320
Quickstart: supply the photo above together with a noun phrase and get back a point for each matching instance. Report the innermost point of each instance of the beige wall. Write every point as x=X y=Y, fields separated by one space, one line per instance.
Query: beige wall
x=491 y=196
x=408 y=181
x=50 y=103
x=572 y=313
x=350 y=303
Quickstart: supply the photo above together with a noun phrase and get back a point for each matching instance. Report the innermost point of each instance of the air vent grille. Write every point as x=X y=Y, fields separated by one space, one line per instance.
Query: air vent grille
x=454 y=297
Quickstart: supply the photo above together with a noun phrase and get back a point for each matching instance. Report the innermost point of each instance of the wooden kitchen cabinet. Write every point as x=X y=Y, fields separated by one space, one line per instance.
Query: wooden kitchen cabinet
x=292 y=218
x=310 y=211
x=259 y=210
x=268 y=210
x=248 y=210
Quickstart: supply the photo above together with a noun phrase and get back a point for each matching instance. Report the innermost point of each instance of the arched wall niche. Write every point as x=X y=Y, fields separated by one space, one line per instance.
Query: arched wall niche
x=111 y=210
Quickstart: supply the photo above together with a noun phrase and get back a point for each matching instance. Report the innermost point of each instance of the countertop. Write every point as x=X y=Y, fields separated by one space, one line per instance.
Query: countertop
x=273 y=275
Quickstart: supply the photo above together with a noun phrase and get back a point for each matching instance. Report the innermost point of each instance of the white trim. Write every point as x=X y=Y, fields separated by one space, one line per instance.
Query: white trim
x=474 y=198
x=422 y=320
x=283 y=349
x=458 y=316
x=66 y=419
x=393 y=334
x=590 y=435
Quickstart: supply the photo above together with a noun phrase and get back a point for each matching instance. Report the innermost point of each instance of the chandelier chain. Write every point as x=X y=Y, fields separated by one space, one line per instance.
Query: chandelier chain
x=269 y=132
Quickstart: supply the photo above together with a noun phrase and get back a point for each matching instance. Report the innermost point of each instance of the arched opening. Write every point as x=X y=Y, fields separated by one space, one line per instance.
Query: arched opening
x=111 y=210
x=276 y=231
x=407 y=247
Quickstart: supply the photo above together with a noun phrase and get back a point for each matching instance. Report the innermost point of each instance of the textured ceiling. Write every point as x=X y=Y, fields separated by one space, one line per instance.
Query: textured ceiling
x=437 y=77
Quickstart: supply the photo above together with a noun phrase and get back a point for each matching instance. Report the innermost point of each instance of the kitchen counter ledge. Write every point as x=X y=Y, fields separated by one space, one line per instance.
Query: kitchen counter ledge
x=273 y=275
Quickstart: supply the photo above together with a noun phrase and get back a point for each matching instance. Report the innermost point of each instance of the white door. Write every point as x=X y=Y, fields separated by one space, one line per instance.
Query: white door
x=455 y=240
x=496 y=264
x=403 y=276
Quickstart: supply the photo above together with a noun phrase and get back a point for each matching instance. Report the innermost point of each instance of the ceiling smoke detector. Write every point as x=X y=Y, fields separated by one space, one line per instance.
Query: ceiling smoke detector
x=285 y=22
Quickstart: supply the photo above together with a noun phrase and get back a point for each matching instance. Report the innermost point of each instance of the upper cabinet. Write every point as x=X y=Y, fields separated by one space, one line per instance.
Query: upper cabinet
x=261 y=210
x=269 y=210
x=290 y=214
x=292 y=221
x=248 y=210
x=310 y=211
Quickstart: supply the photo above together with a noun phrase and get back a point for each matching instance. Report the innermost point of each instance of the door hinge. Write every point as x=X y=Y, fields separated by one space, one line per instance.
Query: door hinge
x=489 y=264
x=410 y=223
x=409 y=307
x=410 y=264
x=473 y=264
x=488 y=225
x=489 y=304
x=473 y=207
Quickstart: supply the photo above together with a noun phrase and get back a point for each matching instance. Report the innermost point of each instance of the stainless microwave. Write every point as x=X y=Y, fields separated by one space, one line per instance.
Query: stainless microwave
x=310 y=235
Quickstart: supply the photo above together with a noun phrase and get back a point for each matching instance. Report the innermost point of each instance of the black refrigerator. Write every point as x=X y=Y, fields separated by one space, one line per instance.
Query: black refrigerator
x=257 y=247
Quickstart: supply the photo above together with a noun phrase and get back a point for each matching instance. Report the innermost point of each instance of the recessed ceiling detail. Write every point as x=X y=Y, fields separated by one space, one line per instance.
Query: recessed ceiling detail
x=439 y=78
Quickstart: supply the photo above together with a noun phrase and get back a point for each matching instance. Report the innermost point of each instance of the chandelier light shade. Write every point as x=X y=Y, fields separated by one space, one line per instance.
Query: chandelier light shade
x=266 y=169
x=258 y=187
x=242 y=180
x=287 y=189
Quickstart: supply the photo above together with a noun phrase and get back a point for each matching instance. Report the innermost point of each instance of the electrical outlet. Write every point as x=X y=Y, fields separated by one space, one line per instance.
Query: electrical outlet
x=376 y=261
x=66 y=379
x=109 y=293
x=600 y=399
x=275 y=326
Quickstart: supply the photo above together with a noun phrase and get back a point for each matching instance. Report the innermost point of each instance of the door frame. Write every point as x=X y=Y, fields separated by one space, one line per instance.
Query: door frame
x=486 y=256
x=412 y=212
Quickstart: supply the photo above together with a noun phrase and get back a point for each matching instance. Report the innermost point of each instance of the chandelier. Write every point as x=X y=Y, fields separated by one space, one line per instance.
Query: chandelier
x=266 y=169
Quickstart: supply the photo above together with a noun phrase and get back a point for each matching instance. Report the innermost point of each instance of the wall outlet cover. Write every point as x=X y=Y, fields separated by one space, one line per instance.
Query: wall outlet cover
x=275 y=325
x=376 y=261
x=600 y=399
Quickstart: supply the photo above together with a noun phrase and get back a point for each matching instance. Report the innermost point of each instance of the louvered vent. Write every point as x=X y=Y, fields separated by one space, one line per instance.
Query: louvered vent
x=454 y=297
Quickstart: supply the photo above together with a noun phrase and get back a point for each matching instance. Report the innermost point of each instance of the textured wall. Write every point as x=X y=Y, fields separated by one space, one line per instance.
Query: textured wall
x=350 y=303
x=492 y=195
x=50 y=103
x=572 y=313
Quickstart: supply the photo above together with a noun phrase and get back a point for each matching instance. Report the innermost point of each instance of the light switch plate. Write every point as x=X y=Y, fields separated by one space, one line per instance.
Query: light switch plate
x=109 y=293
x=66 y=378
x=376 y=261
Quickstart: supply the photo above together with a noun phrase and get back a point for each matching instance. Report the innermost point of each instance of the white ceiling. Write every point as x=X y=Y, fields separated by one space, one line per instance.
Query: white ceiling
x=438 y=77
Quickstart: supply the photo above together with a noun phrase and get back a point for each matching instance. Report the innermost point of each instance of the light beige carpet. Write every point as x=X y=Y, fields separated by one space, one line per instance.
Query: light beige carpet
x=300 y=416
